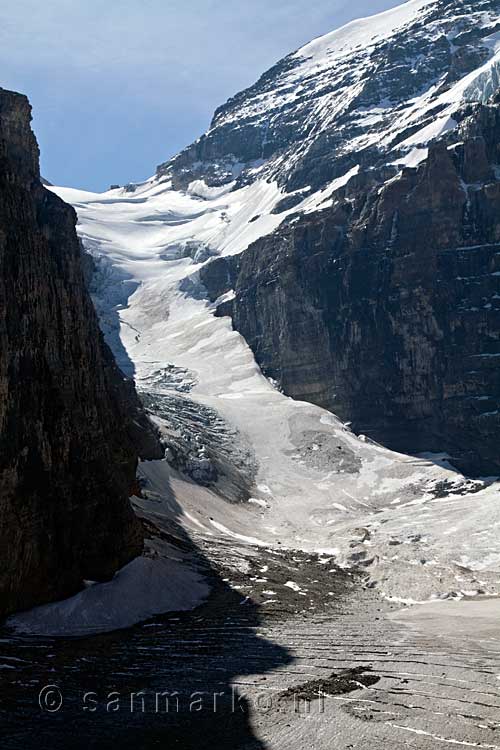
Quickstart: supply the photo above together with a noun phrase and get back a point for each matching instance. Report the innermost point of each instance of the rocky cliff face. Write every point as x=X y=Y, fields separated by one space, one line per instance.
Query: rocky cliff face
x=67 y=455
x=346 y=207
x=385 y=307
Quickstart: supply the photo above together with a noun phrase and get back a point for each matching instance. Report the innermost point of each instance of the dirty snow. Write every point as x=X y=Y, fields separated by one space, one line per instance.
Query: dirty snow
x=145 y=587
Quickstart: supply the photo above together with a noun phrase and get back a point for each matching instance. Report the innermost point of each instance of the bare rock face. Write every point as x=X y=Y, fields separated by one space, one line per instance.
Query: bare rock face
x=67 y=455
x=385 y=308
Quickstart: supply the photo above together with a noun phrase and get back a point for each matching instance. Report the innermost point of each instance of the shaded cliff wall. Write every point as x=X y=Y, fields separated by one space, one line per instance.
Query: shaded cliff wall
x=67 y=458
x=385 y=308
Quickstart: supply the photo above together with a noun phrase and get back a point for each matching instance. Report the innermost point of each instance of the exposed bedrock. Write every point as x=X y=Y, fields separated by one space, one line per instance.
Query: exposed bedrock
x=385 y=307
x=68 y=441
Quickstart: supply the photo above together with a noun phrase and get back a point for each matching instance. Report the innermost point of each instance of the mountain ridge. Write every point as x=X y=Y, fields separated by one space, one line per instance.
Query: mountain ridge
x=451 y=48
x=306 y=121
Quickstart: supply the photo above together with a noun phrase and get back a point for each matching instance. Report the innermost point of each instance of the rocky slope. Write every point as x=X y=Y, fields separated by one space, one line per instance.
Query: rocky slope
x=67 y=453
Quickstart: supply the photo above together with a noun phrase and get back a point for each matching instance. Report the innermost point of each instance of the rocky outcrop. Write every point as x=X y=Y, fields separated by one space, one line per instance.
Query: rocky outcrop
x=67 y=454
x=385 y=308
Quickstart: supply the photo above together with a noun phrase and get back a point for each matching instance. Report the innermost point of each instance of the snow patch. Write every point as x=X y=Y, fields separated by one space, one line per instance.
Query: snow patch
x=142 y=589
x=247 y=539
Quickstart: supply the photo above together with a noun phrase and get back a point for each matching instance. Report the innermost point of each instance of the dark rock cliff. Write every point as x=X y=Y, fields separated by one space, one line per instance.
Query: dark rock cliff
x=385 y=307
x=67 y=453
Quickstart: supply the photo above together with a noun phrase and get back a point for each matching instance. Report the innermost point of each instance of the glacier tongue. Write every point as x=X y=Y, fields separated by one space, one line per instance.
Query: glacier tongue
x=316 y=483
x=374 y=94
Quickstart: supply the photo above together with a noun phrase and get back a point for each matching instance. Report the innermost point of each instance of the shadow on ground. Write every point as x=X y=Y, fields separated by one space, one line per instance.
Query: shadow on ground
x=167 y=683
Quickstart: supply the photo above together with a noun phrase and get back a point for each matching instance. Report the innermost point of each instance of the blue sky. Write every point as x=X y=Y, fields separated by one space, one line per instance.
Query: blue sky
x=119 y=86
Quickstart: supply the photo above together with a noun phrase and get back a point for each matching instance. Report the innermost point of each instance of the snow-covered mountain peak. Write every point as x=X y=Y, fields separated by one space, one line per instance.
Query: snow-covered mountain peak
x=360 y=33
x=364 y=95
x=368 y=97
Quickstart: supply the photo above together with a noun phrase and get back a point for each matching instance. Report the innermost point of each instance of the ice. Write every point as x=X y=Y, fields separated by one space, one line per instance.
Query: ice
x=322 y=199
x=257 y=501
x=264 y=488
x=440 y=126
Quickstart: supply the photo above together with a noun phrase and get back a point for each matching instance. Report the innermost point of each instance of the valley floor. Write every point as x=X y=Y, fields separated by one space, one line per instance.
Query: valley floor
x=325 y=662
x=289 y=650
